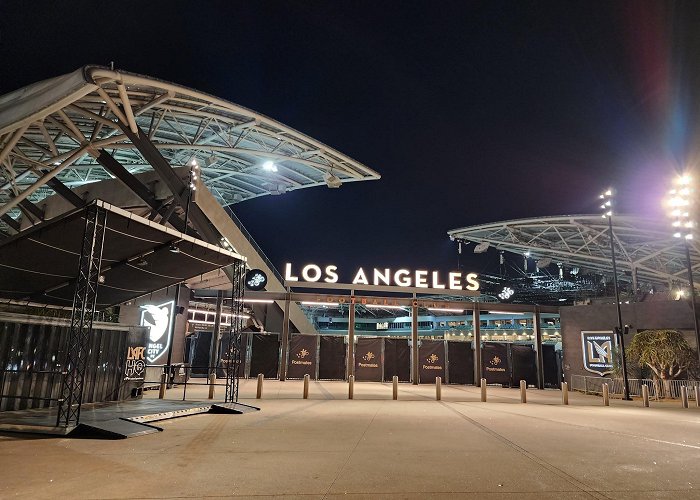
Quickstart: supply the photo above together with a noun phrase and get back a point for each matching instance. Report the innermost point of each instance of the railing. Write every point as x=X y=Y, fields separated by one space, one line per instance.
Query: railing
x=658 y=389
x=254 y=244
x=180 y=375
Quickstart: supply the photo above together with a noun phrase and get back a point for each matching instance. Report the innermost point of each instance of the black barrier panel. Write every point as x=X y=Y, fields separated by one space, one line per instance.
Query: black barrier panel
x=431 y=361
x=368 y=360
x=31 y=356
x=461 y=367
x=265 y=355
x=495 y=361
x=200 y=348
x=331 y=363
x=524 y=360
x=549 y=363
x=302 y=356
x=397 y=360
x=222 y=362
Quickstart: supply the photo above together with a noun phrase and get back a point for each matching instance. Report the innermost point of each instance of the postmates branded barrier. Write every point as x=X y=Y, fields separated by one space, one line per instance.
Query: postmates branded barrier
x=331 y=363
x=397 y=360
x=496 y=363
x=508 y=364
x=369 y=364
x=302 y=356
x=431 y=361
x=524 y=364
x=241 y=350
x=461 y=362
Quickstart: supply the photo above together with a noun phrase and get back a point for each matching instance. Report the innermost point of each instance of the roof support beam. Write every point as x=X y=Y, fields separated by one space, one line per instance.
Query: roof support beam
x=32 y=208
x=11 y=222
x=66 y=193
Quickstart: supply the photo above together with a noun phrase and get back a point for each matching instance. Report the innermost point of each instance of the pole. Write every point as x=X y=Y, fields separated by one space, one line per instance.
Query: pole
x=692 y=297
x=351 y=336
x=414 y=340
x=172 y=335
x=620 y=331
x=214 y=346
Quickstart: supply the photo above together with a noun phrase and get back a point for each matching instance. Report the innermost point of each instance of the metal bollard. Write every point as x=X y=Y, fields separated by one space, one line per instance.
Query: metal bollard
x=258 y=394
x=438 y=388
x=351 y=386
x=161 y=392
x=697 y=396
x=395 y=384
x=565 y=393
x=606 y=395
x=645 y=396
x=306 y=386
x=212 y=382
x=523 y=391
x=684 y=396
x=483 y=390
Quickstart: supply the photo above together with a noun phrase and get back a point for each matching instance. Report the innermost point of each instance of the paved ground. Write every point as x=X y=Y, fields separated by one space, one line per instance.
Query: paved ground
x=373 y=447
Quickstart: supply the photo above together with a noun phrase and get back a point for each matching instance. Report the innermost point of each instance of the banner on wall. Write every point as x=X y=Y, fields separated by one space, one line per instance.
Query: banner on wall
x=431 y=361
x=302 y=356
x=368 y=360
x=495 y=362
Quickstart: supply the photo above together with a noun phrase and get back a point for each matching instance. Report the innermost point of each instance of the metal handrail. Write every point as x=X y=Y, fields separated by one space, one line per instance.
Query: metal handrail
x=657 y=388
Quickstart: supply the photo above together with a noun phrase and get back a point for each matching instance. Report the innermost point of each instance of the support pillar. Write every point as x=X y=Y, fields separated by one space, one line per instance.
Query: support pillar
x=477 y=345
x=537 y=322
x=351 y=337
x=285 y=338
x=84 y=301
x=414 y=340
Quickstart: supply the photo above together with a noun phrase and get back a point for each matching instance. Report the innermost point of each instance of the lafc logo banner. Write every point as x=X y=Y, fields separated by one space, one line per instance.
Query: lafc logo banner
x=598 y=350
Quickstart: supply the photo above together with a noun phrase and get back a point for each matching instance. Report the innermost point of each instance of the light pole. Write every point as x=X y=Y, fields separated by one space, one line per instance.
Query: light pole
x=680 y=201
x=607 y=207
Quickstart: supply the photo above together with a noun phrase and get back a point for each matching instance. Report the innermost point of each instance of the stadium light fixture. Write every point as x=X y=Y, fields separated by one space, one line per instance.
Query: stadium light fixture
x=269 y=166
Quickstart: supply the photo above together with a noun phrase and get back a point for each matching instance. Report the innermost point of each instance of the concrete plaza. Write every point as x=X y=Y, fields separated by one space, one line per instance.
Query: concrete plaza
x=373 y=447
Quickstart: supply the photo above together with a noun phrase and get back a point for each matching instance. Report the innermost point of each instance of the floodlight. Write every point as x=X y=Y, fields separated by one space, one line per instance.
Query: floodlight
x=332 y=181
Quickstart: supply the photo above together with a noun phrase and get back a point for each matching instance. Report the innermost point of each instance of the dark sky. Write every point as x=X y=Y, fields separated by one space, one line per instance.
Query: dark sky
x=472 y=112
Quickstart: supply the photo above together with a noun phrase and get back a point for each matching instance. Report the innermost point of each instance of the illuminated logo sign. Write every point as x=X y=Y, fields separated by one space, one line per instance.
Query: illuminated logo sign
x=135 y=363
x=255 y=280
x=384 y=325
x=159 y=319
x=598 y=351
x=312 y=273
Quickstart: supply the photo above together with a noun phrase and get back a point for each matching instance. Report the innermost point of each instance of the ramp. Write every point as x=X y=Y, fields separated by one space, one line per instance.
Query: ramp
x=117 y=428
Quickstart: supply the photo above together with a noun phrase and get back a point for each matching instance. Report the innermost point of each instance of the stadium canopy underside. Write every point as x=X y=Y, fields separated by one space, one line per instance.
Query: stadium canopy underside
x=645 y=250
x=96 y=124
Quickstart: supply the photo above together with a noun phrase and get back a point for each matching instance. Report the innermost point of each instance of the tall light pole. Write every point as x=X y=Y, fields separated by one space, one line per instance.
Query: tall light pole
x=607 y=207
x=680 y=202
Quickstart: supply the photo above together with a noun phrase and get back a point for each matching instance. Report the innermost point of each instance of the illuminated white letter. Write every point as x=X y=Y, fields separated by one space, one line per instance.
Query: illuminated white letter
x=379 y=276
x=331 y=275
x=360 y=278
x=402 y=282
x=454 y=279
x=472 y=279
x=421 y=279
x=288 y=273
x=436 y=283
x=316 y=272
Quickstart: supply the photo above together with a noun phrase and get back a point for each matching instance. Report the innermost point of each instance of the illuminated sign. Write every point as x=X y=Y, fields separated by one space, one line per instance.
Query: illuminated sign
x=383 y=325
x=455 y=280
x=598 y=351
x=159 y=319
x=255 y=280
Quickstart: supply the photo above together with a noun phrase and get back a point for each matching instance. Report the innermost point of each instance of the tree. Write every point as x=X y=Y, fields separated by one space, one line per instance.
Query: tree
x=665 y=352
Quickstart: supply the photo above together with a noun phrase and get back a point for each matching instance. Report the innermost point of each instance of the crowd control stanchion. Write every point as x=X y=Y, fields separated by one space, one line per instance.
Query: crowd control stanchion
x=395 y=387
x=606 y=395
x=306 y=386
x=163 y=381
x=645 y=396
x=351 y=386
x=483 y=390
x=523 y=391
x=438 y=388
x=684 y=396
x=258 y=394
x=565 y=393
x=212 y=382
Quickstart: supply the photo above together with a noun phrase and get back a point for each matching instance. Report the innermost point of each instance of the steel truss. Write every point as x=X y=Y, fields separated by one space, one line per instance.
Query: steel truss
x=233 y=366
x=84 y=301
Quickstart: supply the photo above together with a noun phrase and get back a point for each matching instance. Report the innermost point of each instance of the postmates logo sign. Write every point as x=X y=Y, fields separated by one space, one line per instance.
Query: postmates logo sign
x=598 y=351
x=369 y=359
x=432 y=361
x=495 y=364
x=301 y=358
x=159 y=319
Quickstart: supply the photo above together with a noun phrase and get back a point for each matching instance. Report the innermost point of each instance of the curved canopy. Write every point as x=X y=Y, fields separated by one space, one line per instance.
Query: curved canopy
x=51 y=133
x=644 y=249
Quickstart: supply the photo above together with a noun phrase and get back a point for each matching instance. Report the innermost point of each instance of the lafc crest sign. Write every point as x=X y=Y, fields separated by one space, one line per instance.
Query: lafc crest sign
x=598 y=352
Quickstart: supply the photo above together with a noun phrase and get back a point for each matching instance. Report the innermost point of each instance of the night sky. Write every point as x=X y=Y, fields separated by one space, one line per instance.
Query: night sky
x=472 y=112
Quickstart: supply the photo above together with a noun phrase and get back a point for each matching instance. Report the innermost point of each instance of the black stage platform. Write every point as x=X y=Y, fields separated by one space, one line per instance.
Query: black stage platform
x=117 y=420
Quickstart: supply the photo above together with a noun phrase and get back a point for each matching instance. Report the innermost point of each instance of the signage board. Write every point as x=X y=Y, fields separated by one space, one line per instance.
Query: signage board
x=159 y=319
x=598 y=349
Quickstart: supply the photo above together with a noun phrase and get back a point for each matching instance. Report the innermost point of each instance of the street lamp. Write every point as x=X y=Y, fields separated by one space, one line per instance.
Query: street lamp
x=680 y=201
x=607 y=207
